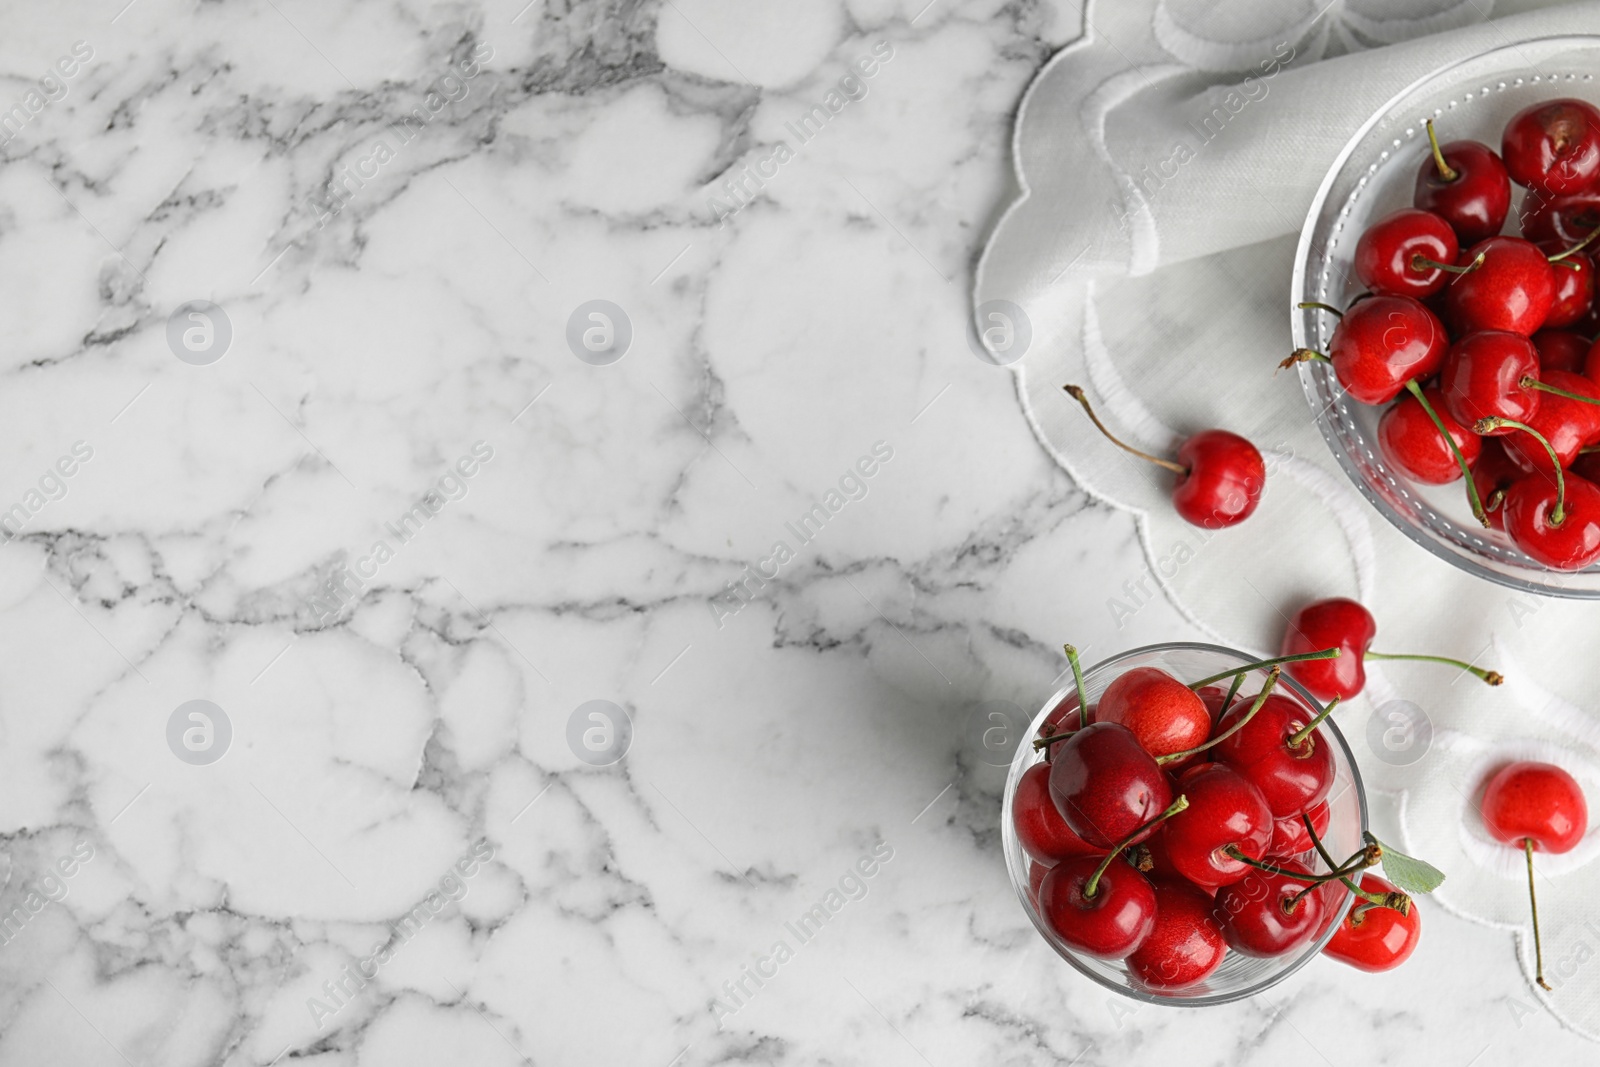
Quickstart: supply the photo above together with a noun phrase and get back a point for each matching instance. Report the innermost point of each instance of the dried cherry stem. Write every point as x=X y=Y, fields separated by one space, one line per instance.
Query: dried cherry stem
x=1076 y=392
x=1461 y=461
x=1490 y=677
x=1355 y=864
x=1446 y=171
x=1419 y=262
x=1298 y=738
x=1305 y=304
x=1323 y=653
x=1558 y=514
x=1396 y=900
x=1303 y=355
x=1077 y=680
x=1367 y=857
x=1533 y=903
x=1093 y=884
x=1261 y=698
x=1528 y=381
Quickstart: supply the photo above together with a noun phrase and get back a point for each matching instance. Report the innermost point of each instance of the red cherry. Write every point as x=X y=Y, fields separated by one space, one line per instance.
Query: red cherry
x=1561 y=350
x=1382 y=343
x=1567 y=219
x=1335 y=623
x=1163 y=713
x=1587 y=466
x=1290 y=838
x=1536 y=806
x=1212 y=697
x=1225 y=478
x=1063 y=718
x=1042 y=832
x=1387 y=255
x=1225 y=811
x=1494 y=474
x=1471 y=191
x=1105 y=785
x=1566 y=423
x=1186 y=944
x=1372 y=937
x=1113 y=922
x=1591 y=363
x=1482 y=376
x=1291 y=778
x=1512 y=287
x=1036 y=873
x=1574 y=296
x=1220 y=475
x=1553 y=147
x=1255 y=917
x=1570 y=545
x=1411 y=441
x=1538 y=802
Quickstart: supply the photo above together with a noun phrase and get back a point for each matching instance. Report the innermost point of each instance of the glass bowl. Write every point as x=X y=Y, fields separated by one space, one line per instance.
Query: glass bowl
x=1373 y=176
x=1239 y=976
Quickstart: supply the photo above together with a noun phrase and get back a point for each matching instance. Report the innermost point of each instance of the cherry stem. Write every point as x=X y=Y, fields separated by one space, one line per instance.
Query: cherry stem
x=1298 y=738
x=1558 y=514
x=1491 y=677
x=1564 y=253
x=1357 y=863
x=1261 y=698
x=1233 y=691
x=1306 y=304
x=1324 y=653
x=1077 y=680
x=1461 y=461
x=1447 y=172
x=1528 y=381
x=1303 y=355
x=1076 y=392
x=1533 y=903
x=1420 y=261
x=1397 y=900
x=1093 y=884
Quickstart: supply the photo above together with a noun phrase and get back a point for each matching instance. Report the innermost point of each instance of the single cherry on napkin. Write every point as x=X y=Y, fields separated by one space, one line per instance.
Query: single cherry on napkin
x=1535 y=806
x=1407 y=253
x=1345 y=624
x=1465 y=183
x=1185 y=945
x=1105 y=785
x=1553 y=147
x=1505 y=283
x=1374 y=937
x=1220 y=475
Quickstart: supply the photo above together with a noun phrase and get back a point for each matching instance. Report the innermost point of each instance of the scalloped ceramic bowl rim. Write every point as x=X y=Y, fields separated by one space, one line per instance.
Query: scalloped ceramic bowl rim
x=1023 y=759
x=1537 y=579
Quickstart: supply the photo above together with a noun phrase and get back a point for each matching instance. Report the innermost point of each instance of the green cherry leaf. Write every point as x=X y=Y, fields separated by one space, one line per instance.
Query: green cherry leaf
x=1407 y=872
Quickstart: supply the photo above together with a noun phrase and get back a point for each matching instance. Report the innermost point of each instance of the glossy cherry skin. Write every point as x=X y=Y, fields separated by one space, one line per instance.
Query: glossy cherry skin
x=1378 y=939
x=1163 y=713
x=1567 y=424
x=1109 y=925
x=1566 y=219
x=1290 y=779
x=1224 y=809
x=1225 y=480
x=1042 y=832
x=1253 y=916
x=1574 y=296
x=1495 y=472
x=1382 y=343
x=1384 y=255
x=1481 y=377
x=1475 y=202
x=1571 y=546
x=1512 y=288
x=1538 y=802
x=1290 y=837
x=1561 y=350
x=1334 y=623
x=1105 y=785
x=1553 y=147
x=1410 y=440
x=1186 y=944
x=1036 y=873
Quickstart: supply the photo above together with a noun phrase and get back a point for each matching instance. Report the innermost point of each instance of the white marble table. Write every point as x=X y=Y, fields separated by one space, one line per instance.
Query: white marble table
x=383 y=840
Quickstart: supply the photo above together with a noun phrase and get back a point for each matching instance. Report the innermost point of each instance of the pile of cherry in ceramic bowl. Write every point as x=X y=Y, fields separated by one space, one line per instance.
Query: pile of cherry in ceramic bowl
x=1481 y=343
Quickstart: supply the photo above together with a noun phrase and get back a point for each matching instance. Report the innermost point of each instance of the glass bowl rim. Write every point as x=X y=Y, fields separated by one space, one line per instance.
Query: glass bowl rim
x=1022 y=759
